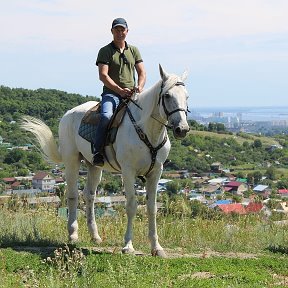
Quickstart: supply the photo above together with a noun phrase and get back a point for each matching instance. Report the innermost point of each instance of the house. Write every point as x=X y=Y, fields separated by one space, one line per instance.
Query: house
x=49 y=200
x=59 y=180
x=236 y=187
x=220 y=202
x=219 y=180
x=231 y=208
x=216 y=167
x=212 y=190
x=43 y=181
x=9 y=180
x=254 y=207
x=29 y=192
x=262 y=190
x=109 y=201
x=196 y=196
x=282 y=207
x=283 y=192
x=17 y=186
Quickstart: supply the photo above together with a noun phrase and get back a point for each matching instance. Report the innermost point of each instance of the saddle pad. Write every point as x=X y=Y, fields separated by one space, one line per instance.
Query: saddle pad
x=89 y=123
x=87 y=131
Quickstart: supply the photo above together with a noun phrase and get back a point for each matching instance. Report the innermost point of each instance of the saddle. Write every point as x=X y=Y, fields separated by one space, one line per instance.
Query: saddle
x=88 y=126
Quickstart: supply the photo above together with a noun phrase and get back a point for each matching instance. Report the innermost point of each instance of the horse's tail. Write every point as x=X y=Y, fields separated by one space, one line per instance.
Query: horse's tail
x=44 y=136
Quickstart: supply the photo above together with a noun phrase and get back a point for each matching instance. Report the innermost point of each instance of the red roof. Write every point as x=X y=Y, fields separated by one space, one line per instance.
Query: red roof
x=233 y=184
x=283 y=191
x=9 y=179
x=253 y=207
x=15 y=184
x=40 y=175
x=59 y=180
x=229 y=208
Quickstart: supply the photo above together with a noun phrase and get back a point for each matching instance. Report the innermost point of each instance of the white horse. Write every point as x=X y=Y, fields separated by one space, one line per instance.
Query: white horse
x=140 y=149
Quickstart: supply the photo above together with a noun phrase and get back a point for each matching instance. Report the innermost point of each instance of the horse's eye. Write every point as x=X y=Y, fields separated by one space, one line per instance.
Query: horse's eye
x=166 y=95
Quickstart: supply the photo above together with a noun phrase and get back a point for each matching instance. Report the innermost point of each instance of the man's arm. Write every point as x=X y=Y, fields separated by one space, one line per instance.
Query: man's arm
x=109 y=83
x=140 y=69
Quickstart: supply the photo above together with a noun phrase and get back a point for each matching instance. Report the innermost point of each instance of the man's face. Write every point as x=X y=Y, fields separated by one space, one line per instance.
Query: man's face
x=119 y=33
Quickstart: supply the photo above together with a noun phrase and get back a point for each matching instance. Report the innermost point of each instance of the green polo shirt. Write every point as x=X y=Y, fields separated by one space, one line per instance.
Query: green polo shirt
x=121 y=67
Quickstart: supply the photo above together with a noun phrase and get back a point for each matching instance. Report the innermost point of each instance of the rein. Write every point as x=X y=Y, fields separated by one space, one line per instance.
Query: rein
x=143 y=137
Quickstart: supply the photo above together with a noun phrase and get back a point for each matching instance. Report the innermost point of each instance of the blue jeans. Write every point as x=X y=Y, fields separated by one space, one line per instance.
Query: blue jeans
x=109 y=103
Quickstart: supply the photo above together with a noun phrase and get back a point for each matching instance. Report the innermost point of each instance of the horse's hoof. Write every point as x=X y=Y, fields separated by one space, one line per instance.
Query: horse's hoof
x=158 y=253
x=128 y=250
x=97 y=240
x=73 y=238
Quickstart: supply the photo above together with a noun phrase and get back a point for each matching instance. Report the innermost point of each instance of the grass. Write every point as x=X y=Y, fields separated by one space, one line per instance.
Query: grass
x=231 y=252
x=267 y=141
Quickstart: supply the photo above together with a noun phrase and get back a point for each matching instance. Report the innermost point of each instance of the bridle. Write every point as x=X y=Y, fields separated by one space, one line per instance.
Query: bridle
x=162 y=96
x=143 y=136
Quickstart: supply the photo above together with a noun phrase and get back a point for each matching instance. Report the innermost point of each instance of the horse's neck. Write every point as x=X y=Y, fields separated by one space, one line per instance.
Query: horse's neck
x=155 y=130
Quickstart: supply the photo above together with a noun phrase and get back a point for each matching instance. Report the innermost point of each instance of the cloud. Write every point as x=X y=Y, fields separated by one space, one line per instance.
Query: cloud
x=63 y=24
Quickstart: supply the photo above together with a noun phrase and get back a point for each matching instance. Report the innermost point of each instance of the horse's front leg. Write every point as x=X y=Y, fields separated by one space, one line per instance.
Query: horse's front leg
x=93 y=179
x=151 y=188
x=131 y=209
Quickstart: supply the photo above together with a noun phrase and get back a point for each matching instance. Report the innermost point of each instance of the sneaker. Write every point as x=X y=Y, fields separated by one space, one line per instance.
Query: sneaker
x=98 y=159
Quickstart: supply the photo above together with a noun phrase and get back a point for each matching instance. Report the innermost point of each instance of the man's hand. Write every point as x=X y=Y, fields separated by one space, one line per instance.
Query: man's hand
x=138 y=89
x=126 y=93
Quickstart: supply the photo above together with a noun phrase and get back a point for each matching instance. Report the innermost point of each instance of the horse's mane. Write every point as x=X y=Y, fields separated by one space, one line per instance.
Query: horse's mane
x=149 y=98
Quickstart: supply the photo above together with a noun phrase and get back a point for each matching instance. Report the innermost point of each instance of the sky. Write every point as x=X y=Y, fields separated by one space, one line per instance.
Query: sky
x=235 y=51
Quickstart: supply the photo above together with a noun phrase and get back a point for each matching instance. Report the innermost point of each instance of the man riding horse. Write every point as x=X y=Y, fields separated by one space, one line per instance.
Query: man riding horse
x=116 y=63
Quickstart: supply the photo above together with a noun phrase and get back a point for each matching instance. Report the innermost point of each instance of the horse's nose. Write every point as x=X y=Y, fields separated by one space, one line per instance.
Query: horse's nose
x=180 y=132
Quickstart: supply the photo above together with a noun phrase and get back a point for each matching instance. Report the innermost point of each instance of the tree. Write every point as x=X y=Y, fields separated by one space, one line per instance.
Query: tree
x=173 y=187
x=257 y=143
x=257 y=175
x=271 y=173
x=14 y=156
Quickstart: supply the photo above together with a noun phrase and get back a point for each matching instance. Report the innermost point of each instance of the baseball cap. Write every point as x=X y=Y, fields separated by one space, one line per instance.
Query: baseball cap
x=119 y=22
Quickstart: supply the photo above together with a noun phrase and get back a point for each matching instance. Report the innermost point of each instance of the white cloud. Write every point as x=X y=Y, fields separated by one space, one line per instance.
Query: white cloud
x=62 y=24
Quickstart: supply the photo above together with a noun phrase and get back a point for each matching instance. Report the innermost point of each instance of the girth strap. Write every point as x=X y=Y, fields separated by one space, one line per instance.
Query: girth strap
x=144 y=138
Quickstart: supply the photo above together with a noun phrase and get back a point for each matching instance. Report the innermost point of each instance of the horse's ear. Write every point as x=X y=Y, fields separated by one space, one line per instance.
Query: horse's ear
x=163 y=74
x=184 y=75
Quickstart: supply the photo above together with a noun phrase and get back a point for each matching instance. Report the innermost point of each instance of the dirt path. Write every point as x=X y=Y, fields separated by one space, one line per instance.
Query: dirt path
x=171 y=253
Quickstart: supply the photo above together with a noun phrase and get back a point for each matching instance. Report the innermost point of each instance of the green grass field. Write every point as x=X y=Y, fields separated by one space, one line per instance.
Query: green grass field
x=232 y=252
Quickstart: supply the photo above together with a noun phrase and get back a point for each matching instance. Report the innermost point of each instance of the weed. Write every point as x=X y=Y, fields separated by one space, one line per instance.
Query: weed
x=67 y=262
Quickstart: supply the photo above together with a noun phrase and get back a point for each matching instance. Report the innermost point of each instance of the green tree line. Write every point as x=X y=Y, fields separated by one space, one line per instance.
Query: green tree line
x=195 y=153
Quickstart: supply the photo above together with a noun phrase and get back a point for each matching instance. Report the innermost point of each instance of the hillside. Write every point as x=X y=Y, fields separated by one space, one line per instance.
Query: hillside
x=240 y=139
x=195 y=153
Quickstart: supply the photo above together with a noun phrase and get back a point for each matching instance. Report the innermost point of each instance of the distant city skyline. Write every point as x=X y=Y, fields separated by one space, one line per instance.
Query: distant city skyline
x=247 y=113
x=235 y=52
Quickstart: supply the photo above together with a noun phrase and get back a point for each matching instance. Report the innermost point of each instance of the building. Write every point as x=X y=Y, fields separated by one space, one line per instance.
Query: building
x=109 y=201
x=49 y=200
x=235 y=187
x=283 y=193
x=236 y=208
x=262 y=190
x=43 y=181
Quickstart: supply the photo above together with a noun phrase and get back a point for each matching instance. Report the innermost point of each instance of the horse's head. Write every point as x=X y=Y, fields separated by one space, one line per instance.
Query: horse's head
x=173 y=103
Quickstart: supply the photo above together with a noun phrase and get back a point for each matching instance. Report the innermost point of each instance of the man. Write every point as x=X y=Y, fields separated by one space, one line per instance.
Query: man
x=116 y=63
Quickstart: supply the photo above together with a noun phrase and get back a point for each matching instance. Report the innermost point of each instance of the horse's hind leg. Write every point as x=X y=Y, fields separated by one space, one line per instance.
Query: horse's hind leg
x=71 y=173
x=93 y=179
